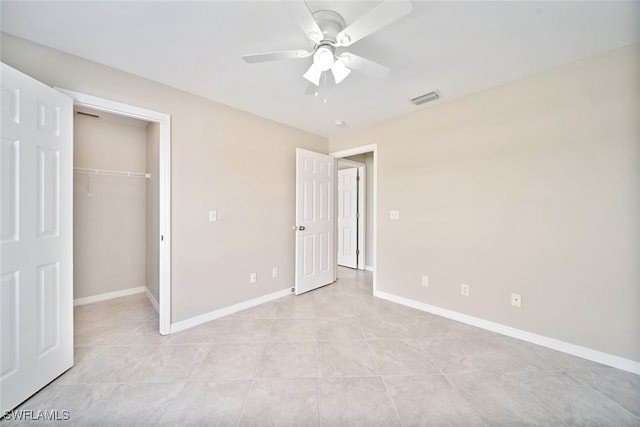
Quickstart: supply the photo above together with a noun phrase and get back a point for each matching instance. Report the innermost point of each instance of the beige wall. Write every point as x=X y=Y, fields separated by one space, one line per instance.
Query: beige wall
x=532 y=187
x=109 y=211
x=152 y=254
x=222 y=158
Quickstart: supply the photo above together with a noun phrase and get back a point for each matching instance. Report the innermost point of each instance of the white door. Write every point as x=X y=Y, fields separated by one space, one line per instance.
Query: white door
x=315 y=247
x=36 y=289
x=348 y=217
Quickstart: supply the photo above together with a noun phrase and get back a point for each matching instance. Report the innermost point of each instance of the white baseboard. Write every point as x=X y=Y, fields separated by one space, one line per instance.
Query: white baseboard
x=108 y=296
x=152 y=299
x=212 y=315
x=565 y=347
x=368 y=267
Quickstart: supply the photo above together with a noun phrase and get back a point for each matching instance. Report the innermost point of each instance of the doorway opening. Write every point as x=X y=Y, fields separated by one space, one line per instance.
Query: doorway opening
x=158 y=154
x=366 y=155
x=352 y=212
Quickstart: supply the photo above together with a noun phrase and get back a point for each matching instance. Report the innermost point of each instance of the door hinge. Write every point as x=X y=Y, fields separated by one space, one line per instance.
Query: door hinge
x=357 y=178
x=357 y=251
x=357 y=214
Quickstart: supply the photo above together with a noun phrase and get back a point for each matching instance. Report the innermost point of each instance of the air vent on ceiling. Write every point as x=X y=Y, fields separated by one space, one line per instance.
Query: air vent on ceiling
x=427 y=97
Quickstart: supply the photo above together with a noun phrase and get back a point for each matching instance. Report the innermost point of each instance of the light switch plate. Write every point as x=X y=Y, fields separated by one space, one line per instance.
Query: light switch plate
x=213 y=216
x=394 y=214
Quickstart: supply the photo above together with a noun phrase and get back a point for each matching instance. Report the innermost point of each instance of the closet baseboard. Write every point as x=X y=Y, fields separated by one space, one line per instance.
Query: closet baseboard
x=152 y=299
x=108 y=296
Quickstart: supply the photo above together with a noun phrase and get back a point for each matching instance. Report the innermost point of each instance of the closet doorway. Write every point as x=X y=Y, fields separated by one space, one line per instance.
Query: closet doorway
x=352 y=213
x=121 y=203
x=368 y=156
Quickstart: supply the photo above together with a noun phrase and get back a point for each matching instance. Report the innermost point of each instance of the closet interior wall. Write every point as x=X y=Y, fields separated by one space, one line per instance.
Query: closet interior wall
x=110 y=212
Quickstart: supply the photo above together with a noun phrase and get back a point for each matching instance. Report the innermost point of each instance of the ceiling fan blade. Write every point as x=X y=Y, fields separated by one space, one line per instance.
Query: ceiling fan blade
x=364 y=66
x=274 y=56
x=381 y=16
x=304 y=18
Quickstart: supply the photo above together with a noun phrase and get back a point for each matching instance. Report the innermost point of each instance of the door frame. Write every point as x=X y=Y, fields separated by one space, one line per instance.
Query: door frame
x=371 y=148
x=164 y=122
x=362 y=208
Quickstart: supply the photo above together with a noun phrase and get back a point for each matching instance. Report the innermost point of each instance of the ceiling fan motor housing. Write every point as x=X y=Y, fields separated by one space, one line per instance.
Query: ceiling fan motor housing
x=331 y=23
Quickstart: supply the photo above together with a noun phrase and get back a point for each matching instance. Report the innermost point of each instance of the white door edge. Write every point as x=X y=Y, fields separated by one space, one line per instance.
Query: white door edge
x=371 y=148
x=164 y=121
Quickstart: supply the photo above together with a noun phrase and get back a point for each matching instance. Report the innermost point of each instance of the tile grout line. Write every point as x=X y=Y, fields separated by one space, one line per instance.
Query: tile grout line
x=384 y=384
x=541 y=403
x=255 y=372
x=583 y=383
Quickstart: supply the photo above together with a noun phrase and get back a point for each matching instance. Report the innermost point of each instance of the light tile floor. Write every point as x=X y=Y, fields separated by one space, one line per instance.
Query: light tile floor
x=333 y=357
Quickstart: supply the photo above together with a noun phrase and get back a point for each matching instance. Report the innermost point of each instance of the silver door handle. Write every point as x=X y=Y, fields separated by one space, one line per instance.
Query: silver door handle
x=301 y=228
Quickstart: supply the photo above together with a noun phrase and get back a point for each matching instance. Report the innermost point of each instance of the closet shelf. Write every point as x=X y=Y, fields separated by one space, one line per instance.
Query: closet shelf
x=91 y=171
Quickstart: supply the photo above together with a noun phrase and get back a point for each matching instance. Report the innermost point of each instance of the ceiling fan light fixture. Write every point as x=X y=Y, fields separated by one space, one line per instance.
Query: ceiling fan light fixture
x=340 y=71
x=323 y=58
x=313 y=74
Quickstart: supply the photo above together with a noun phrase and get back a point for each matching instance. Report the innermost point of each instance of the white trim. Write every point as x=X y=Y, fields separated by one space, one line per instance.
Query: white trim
x=164 y=120
x=108 y=296
x=152 y=299
x=212 y=315
x=368 y=267
x=552 y=343
x=371 y=148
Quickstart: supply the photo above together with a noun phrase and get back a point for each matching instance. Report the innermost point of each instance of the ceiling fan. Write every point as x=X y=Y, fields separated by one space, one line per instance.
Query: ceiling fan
x=329 y=34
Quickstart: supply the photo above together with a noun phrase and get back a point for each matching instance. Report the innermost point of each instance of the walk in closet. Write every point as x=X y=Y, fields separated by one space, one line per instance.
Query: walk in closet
x=115 y=206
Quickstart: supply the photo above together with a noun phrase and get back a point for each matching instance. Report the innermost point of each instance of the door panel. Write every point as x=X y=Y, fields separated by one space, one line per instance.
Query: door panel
x=315 y=220
x=9 y=190
x=48 y=196
x=9 y=338
x=348 y=217
x=36 y=294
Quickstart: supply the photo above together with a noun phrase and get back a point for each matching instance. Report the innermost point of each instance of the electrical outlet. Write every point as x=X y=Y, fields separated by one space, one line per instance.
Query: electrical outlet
x=253 y=278
x=394 y=214
x=516 y=300
x=464 y=289
x=274 y=272
x=425 y=281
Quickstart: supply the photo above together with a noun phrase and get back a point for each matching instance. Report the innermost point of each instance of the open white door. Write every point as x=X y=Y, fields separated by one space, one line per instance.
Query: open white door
x=315 y=256
x=36 y=216
x=348 y=217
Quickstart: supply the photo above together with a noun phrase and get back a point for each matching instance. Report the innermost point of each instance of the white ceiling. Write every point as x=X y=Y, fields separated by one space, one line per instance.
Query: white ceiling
x=455 y=47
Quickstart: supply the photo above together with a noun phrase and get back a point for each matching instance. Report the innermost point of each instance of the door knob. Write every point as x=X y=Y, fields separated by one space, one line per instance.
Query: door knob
x=301 y=228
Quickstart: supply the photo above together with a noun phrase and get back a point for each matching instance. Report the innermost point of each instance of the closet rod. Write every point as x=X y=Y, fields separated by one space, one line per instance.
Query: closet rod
x=91 y=171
